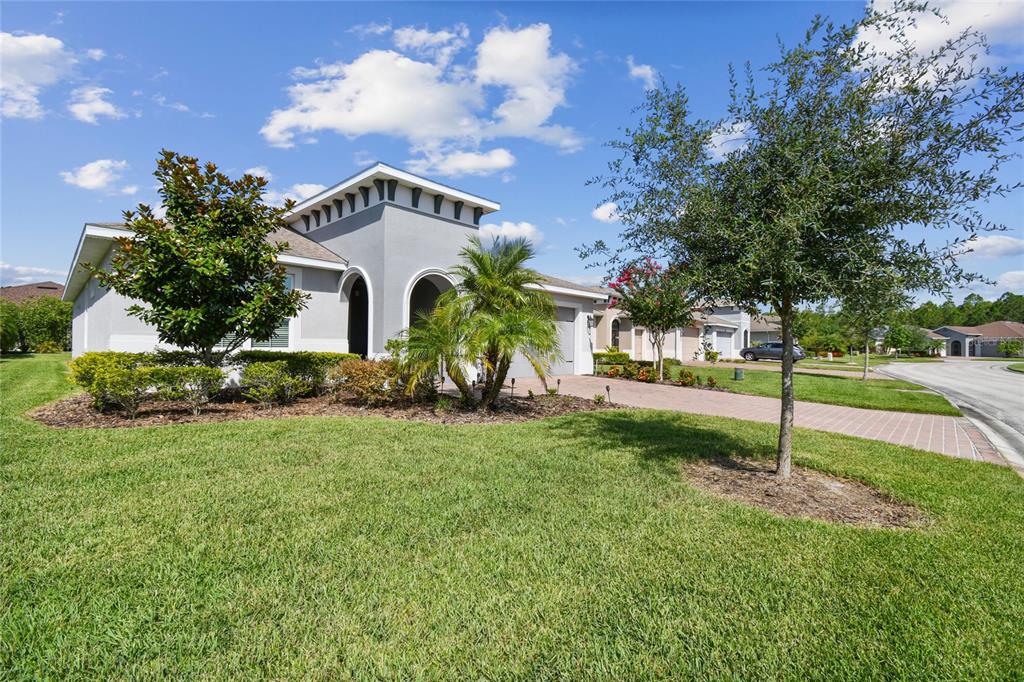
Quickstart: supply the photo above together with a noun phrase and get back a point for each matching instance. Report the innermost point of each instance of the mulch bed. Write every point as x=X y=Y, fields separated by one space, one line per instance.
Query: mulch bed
x=807 y=494
x=78 y=412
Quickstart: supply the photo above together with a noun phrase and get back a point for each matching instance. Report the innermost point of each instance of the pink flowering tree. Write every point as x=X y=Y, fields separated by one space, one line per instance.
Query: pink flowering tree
x=655 y=298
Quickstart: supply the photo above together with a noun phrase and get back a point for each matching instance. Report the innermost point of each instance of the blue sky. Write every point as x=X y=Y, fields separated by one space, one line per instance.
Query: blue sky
x=510 y=101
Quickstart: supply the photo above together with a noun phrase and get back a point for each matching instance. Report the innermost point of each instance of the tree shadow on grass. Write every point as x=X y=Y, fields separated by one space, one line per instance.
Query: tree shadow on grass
x=666 y=439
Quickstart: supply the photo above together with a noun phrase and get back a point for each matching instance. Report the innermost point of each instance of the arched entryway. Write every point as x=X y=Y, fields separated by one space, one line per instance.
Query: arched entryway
x=356 y=292
x=422 y=294
x=956 y=349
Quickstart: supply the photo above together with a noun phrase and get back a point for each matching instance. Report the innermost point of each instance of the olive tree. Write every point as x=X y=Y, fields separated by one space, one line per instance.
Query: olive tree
x=839 y=145
x=206 y=274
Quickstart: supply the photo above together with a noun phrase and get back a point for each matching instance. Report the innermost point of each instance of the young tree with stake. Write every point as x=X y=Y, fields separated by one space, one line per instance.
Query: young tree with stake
x=841 y=146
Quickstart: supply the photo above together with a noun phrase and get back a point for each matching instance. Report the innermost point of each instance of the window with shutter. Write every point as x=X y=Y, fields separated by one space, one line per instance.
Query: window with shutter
x=280 y=337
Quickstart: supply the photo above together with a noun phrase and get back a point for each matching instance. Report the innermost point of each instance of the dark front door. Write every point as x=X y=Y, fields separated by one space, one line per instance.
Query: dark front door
x=358 y=322
x=956 y=348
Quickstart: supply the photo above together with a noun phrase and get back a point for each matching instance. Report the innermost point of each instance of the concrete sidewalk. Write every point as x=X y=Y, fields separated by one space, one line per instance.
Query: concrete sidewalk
x=952 y=436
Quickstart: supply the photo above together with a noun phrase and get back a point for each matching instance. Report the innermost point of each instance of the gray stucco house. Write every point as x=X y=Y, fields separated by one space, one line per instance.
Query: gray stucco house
x=371 y=252
x=980 y=341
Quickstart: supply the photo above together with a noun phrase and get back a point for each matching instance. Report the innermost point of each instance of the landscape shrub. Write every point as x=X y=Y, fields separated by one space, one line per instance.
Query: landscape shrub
x=86 y=368
x=647 y=374
x=611 y=357
x=309 y=366
x=48 y=347
x=711 y=356
x=598 y=398
x=672 y=362
x=124 y=387
x=614 y=371
x=194 y=385
x=369 y=382
x=712 y=382
x=270 y=383
x=686 y=378
x=176 y=358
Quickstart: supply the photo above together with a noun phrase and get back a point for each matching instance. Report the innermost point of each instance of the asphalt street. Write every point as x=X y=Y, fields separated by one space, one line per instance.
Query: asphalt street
x=988 y=393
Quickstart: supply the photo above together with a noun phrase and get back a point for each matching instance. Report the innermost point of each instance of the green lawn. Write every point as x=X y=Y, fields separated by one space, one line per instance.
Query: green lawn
x=850 y=363
x=1016 y=367
x=573 y=548
x=879 y=394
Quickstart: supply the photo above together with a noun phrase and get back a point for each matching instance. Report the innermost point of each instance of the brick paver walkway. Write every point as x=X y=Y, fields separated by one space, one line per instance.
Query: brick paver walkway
x=953 y=436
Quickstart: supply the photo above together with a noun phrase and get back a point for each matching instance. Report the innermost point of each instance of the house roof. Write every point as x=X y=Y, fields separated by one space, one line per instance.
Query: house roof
x=382 y=171
x=934 y=335
x=23 y=292
x=967 y=331
x=764 y=323
x=97 y=239
x=1001 y=329
x=567 y=284
x=715 y=321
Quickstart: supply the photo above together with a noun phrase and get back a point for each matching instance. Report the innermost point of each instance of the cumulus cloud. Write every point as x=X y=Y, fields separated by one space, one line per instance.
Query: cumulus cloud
x=95 y=54
x=728 y=138
x=996 y=246
x=642 y=72
x=100 y=175
x=606 y=213
x=440 y=46
x=1002 y=21
x=297 y=192
x=1012 y=281
x=370 y=29
x=23 y=274
x=88 y=104
x=510 y=230
x=31 y=63
x=260 y=172
x=456 y=164
x=440 y=109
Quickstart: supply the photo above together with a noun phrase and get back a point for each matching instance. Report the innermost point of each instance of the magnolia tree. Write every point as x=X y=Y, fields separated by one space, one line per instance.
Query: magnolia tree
x=206 y=274
x=850 y=136
x=656 y=299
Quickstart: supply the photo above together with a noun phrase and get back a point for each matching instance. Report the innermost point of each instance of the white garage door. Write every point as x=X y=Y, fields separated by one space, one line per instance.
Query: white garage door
x=565 y=325
x=723 y=342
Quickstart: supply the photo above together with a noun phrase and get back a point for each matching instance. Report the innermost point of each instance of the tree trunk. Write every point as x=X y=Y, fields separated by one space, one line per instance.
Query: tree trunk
x=784 y=455
x=867 y=351
x=660 y=347
x=494 y=391
x=465 y=390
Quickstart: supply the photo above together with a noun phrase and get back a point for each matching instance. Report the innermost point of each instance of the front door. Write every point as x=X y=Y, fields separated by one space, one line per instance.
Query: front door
x=956 y=349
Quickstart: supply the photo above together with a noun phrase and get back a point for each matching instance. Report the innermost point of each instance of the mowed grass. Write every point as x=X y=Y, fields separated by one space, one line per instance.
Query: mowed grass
x=876 y=394
x=572 y=548
x=1016 y=367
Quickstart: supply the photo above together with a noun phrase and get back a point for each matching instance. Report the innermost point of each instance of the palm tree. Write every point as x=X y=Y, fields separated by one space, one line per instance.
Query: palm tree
x=494 y=313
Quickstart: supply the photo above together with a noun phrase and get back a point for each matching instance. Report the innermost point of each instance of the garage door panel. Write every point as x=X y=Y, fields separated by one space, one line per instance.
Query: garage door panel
x=565 y=328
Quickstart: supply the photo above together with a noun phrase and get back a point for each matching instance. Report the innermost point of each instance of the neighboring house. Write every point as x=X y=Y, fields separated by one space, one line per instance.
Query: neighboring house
x=938 y=351
x=23 y=292
x=765 y=328
x=725 y=328
x=980 y=341
x=371 y=251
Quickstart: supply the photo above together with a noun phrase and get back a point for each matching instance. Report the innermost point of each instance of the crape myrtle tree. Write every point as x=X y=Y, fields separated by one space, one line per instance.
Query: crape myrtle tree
x=843 y=145
x=655 y=298
x=206 y=274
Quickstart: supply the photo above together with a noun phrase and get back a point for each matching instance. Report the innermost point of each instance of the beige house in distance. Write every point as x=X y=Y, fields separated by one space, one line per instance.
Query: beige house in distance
x=724 y=328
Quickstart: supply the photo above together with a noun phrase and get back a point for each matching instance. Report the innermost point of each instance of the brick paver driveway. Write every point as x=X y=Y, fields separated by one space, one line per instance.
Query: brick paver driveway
x=953 y=436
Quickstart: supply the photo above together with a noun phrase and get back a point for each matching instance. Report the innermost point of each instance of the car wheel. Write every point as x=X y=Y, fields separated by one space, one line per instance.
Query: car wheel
x=749 y=356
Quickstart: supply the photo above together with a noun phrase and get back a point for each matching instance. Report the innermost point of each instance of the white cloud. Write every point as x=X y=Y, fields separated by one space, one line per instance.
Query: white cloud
x=1012 y=281
x=456 y=164
x=370 y=29
x=260 y=172
x=510 y=230
x=297 y=192
x=606 y=213
x=440 y=109
x=728 y=138
x=440 y=46
x=996 y=246
x=31 y=62
x=162 y=101
x=129 y=189
x=100 y=175
x=95 y=54
x=23 y=274
x=88 y=105
x=1002 y=21
x=642 y=72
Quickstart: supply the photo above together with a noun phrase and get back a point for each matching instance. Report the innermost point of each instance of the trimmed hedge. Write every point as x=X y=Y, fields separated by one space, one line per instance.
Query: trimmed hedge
x=370 y=382
x=611 y=358
x=271 y=383
x=309 y=366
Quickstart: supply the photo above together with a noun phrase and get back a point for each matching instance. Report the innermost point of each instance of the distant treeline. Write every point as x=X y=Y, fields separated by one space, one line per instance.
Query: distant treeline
x=973 y=311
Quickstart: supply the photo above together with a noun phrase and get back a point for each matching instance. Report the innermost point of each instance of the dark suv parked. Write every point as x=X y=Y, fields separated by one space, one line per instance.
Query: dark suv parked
x=771 y=351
